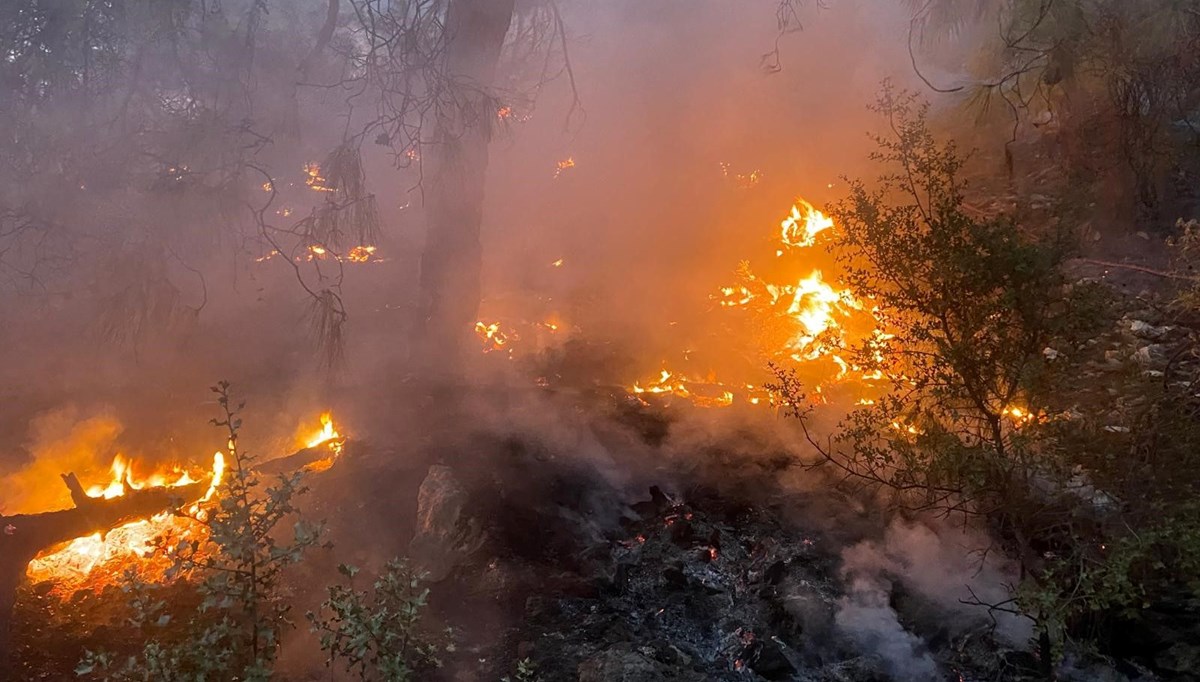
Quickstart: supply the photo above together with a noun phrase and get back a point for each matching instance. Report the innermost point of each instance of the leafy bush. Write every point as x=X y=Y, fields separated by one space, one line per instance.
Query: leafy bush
x=377 y=635
x=1011 y=400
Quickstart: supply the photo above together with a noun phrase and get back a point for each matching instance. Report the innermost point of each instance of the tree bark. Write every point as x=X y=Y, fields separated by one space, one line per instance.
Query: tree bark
x=452 y=259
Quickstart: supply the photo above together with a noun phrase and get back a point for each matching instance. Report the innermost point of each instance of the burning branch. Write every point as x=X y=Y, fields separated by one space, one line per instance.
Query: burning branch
x=28 y=535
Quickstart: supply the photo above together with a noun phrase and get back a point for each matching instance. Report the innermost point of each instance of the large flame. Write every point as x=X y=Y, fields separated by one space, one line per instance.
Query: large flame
x=796 y=316
x=801 y=227
x=100 y=558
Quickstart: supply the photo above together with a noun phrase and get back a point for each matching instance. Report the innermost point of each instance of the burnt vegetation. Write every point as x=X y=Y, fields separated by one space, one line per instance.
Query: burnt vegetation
x=951 y=430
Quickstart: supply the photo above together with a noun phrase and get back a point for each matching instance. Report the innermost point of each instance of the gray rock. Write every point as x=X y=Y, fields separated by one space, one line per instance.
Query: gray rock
x=1154 y=354
x=1145 y=330
x=445 y=535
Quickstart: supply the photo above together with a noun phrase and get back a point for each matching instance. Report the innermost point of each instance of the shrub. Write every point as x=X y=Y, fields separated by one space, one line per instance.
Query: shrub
x=377 y=634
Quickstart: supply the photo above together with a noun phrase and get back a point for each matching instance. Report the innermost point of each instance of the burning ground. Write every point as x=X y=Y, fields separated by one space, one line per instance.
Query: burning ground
x=634 y=545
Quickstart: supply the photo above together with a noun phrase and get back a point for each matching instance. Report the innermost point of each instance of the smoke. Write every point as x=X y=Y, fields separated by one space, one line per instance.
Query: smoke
x=866 y=616
x=60 y=441
x=939 y=566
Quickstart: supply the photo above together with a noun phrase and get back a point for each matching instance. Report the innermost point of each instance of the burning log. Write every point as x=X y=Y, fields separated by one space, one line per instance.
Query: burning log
x=24 y=536
x=25 y=540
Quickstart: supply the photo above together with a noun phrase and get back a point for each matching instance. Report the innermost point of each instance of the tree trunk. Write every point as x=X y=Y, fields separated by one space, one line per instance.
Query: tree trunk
x=452 y=259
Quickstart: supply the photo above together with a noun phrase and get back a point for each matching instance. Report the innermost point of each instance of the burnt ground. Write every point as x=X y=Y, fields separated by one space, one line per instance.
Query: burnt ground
x=627 y=555
x=696 y=565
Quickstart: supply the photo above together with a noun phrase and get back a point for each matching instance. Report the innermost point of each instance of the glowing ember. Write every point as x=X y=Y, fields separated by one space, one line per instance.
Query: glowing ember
x=1020 y=416
x=360 y=254
x=703 y=393
x=494 y=339
x=315 y=181
x=564 y=165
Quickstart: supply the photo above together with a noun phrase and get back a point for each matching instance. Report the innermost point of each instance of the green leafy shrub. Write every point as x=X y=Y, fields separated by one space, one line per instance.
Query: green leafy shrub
x=1010 y=398
x=377 y=634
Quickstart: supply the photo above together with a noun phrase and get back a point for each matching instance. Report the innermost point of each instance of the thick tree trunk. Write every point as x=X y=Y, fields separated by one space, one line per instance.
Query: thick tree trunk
x=452 y=260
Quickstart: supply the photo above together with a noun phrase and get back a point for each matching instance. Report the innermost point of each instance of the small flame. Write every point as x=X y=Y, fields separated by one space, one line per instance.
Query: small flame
x=493 y=337
x=803 y=224
x=564 y=165
x=327 y=433
x=315 y=180
x=360 y=254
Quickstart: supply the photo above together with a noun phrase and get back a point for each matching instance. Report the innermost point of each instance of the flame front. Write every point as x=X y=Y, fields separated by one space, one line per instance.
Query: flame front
x=131 y=546
x=100 y=559
x=799 y=316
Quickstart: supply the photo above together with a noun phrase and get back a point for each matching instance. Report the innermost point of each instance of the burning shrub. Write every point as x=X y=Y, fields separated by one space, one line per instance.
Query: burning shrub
x=990 y=411
x=968 y=306
x=235 y=633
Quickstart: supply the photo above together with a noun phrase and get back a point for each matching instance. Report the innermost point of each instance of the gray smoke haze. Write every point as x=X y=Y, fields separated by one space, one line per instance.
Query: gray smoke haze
x=942 y=565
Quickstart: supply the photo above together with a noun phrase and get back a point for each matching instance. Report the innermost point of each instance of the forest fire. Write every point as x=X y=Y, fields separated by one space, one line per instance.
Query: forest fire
x=630 y=408
x=101 y=558
x=144 y=545
x=799 y=318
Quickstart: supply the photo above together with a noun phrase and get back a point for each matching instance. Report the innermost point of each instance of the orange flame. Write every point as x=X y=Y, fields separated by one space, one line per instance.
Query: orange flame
x=133 y=545
x=327 y=434
x=803 y=224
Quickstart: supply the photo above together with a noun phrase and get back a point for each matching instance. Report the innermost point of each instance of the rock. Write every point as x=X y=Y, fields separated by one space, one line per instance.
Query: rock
x=445 y=536
x=1154 y=354
x=1145 y=330
x=771 y=662
x=620 y=663
x=1181 y=657
x=1072 y=670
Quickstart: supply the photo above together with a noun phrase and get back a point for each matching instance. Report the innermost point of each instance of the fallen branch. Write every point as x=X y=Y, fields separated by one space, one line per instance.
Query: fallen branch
x=1138 y=268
